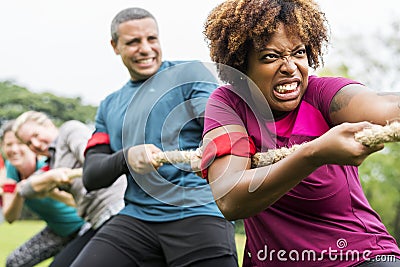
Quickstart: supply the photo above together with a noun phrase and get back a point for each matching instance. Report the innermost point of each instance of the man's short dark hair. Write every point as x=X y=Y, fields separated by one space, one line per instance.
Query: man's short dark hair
x=127 y=14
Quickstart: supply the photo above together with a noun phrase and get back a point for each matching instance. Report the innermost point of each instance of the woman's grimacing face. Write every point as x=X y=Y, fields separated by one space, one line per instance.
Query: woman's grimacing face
x=280 y=70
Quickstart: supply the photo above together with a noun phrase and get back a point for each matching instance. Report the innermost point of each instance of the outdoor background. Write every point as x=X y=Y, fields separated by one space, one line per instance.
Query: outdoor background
x=56 y=57
x=64 y=46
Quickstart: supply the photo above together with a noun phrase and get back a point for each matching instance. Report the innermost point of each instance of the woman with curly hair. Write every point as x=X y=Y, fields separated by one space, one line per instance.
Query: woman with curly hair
x=309 y=208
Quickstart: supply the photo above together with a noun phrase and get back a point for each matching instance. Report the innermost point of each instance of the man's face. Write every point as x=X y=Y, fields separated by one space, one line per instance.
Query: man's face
x=139 y=47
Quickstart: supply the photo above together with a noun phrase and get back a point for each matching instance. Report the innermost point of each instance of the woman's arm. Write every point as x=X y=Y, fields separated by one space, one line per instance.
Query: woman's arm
x=62 y=196
x=39 y=185
x=241 y=192
x=12 y=202
x=354 y=103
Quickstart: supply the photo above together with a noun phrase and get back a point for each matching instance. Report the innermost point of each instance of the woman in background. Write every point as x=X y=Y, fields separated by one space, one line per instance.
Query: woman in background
x=62 y=220
x=64 y=147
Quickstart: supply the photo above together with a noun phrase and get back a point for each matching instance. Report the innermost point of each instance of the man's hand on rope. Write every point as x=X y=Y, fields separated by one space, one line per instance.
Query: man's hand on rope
x=141 y=158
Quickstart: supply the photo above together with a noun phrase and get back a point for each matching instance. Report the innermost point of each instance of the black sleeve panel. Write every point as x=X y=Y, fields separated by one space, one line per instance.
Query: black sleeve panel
x=102 y=167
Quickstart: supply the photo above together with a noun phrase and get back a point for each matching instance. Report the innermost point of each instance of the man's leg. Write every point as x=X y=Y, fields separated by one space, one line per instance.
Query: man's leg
x=68 y=254
x=201 y=240
x=123 y=241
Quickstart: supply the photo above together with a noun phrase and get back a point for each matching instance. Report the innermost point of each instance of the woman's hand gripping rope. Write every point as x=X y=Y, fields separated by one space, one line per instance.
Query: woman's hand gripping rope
x=370 y=136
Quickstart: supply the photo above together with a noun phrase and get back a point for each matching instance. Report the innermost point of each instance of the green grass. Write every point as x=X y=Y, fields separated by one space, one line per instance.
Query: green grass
x=13 y=235
x=240 y=241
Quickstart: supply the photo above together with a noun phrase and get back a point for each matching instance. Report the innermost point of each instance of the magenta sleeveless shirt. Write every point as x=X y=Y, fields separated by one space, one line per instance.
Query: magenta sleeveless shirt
x=325 y=220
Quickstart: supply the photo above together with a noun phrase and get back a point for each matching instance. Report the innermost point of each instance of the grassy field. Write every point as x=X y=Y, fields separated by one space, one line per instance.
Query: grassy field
x=12 y=235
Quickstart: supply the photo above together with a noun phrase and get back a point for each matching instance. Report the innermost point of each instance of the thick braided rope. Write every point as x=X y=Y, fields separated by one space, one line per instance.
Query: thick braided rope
x=370 y=136
x=379 y=134
x=177 y=156
x=75 y=173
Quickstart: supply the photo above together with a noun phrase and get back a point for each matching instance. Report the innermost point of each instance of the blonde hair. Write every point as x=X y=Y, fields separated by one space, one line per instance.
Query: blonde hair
x=35 y=116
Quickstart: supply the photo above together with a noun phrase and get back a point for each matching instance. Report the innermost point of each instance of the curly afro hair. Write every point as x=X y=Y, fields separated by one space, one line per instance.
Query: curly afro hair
x=236 y=26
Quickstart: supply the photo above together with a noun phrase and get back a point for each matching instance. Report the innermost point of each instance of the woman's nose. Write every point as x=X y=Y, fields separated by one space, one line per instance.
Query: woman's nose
x=288 y=65
x=15 y=147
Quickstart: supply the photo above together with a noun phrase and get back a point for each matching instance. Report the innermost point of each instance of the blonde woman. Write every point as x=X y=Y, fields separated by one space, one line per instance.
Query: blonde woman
x=62 y=220
x=64 y=146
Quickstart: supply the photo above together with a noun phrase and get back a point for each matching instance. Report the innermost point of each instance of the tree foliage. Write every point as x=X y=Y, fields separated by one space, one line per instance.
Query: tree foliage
x=371 y=60
x=15 y=100
x=380 y=179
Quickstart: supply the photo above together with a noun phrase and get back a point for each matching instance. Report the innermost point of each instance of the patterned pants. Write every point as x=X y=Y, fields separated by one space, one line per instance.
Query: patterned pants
x=40 y=247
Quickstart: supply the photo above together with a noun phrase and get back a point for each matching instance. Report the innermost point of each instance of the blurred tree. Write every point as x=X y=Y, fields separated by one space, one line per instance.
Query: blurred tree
x=15 y=100
x=380 y=175
x=372 y=60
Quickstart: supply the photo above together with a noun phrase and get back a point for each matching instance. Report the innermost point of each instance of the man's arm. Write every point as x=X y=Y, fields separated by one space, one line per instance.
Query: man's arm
x=102 y=167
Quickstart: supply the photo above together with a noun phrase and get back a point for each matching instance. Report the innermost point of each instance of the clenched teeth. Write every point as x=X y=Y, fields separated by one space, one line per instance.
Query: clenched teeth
x=284 y=88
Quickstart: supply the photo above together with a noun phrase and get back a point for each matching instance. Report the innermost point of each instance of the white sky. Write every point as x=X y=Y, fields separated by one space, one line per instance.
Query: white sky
x=63 y=46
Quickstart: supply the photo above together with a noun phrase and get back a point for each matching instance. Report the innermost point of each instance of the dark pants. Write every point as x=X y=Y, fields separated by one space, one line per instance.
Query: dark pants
x=193 y=241
x=71 y=251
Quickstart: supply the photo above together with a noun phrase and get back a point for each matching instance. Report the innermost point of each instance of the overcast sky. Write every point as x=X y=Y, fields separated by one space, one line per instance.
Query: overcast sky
x=63 y=46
